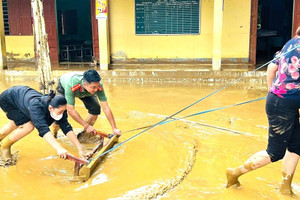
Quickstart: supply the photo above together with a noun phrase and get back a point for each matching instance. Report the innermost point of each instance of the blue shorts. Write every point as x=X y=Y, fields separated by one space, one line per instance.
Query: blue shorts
x=284 y=128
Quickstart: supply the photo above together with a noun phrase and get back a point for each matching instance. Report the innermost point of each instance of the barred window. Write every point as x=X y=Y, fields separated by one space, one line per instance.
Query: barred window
x=5 y=17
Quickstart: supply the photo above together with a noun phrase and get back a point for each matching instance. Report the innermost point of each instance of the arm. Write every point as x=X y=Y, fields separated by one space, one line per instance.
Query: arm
x=75 y=115
x=110 y=117
x=271 y=73
x=68 y=131
x=72 y=137
x=53 y=142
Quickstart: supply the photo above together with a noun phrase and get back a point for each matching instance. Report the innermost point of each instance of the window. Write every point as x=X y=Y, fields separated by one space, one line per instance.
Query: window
x=5 y=17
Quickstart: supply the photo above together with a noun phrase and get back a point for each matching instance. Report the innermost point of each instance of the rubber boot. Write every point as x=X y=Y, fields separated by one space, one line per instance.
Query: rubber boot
x=5 y=152
x=2 y=136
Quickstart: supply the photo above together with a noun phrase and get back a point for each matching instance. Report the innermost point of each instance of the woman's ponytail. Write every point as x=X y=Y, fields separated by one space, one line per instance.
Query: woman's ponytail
x=51 y=95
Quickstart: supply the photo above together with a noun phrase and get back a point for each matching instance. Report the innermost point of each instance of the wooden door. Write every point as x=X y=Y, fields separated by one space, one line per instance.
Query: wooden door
x=95 y=30
x=19 y=16
x=25 y=17
x=13 y=17
x=50 y=22
x=296 y=22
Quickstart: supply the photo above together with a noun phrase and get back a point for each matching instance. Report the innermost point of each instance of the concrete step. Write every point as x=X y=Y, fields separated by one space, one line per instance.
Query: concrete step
x=158 y=75
x=155 y=73
x=183 y=76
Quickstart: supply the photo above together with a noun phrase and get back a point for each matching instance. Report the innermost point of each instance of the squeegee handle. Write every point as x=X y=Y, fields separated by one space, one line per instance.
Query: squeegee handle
x=78 y=160
x=104 y=134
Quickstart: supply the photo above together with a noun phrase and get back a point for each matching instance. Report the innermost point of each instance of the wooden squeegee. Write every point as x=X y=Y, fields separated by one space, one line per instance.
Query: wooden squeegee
x=95 y=159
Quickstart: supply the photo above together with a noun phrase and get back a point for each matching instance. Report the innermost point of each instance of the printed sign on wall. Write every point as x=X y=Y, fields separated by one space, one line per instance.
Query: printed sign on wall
x=101 y=9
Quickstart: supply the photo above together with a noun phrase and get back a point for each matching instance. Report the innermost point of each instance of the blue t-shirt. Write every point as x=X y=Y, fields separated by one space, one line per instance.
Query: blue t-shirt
x=287 y=82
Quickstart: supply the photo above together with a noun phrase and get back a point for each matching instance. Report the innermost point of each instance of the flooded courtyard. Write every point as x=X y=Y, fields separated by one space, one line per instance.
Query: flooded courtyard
x=184 y=159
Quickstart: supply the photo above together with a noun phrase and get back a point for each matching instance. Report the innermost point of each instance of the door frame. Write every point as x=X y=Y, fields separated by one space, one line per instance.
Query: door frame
x=296 y=16
x=253 y=32
x=95 y=35
x=253 y=27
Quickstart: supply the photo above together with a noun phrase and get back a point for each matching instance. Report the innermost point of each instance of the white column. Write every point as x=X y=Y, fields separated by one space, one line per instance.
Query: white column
x=104 y=54
x=217 y=34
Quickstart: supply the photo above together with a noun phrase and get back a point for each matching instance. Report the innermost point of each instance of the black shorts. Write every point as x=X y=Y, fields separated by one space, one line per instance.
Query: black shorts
x=91 y=103
x=12 y=112
x=284 y=128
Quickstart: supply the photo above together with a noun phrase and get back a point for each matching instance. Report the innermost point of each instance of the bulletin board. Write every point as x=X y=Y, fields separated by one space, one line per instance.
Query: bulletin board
x=167 y=17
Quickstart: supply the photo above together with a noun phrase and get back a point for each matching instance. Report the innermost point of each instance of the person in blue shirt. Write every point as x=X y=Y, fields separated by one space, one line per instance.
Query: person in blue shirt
x=282 y=108
x=27 y=109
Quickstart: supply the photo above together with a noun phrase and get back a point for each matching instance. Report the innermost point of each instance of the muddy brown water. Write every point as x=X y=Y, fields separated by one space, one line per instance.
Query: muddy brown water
x=178 y=160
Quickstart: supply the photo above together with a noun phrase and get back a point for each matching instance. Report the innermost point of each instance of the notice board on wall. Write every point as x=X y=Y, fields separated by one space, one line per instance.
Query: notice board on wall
x=167 y=17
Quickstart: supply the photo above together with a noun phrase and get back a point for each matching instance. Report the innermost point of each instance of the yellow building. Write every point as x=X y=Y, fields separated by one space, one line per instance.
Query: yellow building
x=222 y=30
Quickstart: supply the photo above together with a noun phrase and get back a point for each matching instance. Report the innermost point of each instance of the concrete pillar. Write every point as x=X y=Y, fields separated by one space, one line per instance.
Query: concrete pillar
x=217 y=34
x=3 y=63
x=104 y=54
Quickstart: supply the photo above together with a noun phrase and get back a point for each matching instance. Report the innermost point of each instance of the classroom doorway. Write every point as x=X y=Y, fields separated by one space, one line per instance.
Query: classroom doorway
x=74 y=30
x=274 y=27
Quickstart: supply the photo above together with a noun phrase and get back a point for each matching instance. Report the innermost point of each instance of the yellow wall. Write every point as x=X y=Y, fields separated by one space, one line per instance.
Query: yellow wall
x=19 y=47
x=236 y=29
x=126 y=45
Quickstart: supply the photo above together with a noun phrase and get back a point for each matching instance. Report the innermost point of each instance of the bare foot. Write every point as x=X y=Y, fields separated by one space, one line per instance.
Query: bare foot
x=285 y=186
x=232 y=175
x=286 y=191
